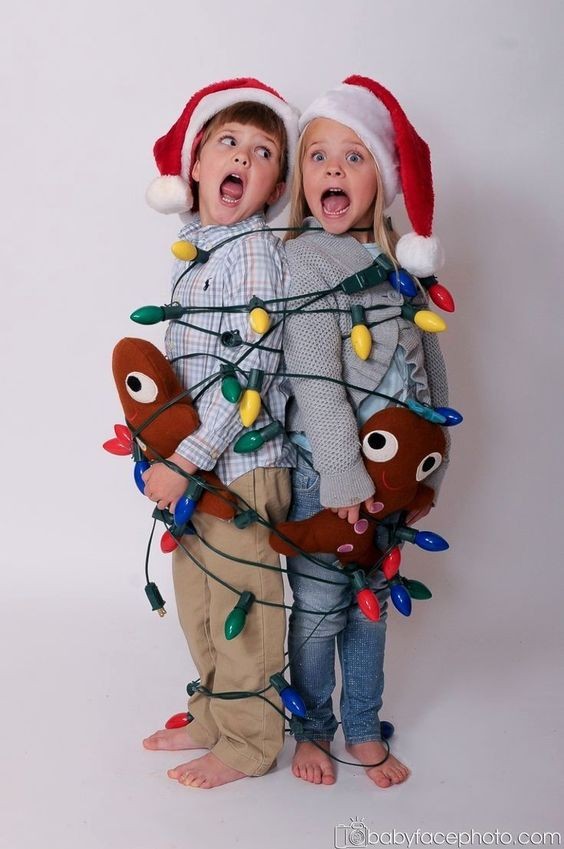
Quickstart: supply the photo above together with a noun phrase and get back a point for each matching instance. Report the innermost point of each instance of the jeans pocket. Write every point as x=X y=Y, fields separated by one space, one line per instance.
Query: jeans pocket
x=305 y=493
x=304 y=481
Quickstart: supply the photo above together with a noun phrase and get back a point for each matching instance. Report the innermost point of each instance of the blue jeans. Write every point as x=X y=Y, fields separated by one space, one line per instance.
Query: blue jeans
x=311 y=636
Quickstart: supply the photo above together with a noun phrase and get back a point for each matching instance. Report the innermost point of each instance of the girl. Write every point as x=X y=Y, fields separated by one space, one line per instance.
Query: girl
x=353 y=140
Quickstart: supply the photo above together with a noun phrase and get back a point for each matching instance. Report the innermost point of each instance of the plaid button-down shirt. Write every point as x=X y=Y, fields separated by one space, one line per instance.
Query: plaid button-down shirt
x=246 y=266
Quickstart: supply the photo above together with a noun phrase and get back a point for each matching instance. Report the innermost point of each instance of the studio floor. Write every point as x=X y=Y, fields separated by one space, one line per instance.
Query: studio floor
x=84 y=681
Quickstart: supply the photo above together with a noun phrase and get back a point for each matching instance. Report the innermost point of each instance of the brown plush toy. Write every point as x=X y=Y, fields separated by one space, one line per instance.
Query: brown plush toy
x=146 y=384
x=400 y=450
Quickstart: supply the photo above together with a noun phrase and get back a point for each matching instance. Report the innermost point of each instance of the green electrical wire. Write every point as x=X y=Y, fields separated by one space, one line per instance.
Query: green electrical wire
x=306 y=306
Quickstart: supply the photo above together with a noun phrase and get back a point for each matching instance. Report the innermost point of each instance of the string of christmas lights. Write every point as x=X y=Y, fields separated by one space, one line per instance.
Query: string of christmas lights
x=243 y=388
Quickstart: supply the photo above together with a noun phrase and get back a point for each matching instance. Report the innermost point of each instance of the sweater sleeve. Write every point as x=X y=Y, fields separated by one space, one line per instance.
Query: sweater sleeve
x=254 y=266
x=438 y=388
x=313 y=348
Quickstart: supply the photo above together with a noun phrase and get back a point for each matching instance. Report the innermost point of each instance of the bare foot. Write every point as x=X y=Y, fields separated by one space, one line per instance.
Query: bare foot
x=171 y=740
x=391 y=772
x=205 y=772
x=311 y=764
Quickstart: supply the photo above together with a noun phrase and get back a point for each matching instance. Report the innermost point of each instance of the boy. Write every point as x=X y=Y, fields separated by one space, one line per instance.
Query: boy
x=227 y=158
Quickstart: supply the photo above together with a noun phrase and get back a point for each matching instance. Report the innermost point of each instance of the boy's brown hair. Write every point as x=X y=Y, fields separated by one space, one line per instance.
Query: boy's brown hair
x=260 y=116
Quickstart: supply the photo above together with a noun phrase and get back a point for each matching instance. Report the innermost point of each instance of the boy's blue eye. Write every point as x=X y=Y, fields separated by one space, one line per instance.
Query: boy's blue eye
x=354 y=157
x=228 y=140
x=318 y=156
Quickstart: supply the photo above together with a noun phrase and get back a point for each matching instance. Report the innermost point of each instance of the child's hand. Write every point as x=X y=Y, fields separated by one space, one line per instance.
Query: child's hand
x=352 y=513
x=165 y=486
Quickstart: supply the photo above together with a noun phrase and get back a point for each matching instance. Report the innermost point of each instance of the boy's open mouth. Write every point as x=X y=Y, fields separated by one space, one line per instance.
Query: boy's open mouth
x=335 y=202
x=232 y=188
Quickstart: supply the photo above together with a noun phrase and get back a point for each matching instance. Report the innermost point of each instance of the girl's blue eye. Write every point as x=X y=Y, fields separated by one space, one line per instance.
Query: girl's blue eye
x=354 y=157
x=264 y=152
x=318 y=157
x=228 y=140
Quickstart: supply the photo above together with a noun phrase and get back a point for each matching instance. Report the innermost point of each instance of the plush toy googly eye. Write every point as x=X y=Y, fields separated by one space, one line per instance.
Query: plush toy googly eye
x=141 y=387
x=427 y=465
x=380 y=446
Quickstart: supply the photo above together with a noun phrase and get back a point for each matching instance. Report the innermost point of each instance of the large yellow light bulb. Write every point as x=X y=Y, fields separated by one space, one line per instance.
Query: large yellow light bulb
x=429 y=321
x=259 y=320
x=361 y=339
x=249 y=408
x=184 y=250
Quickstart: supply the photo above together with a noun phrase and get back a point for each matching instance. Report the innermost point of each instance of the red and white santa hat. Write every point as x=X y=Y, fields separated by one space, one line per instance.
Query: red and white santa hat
x=174 y=152
x=403 y=160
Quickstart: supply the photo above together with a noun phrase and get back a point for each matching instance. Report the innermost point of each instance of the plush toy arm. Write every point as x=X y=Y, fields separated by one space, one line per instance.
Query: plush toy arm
x=323 y=533
x=220 y=504
x=423 y=500
x=316 y=534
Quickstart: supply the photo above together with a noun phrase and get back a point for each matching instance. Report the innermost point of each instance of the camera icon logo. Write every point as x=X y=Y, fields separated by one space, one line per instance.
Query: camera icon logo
x=353 y=835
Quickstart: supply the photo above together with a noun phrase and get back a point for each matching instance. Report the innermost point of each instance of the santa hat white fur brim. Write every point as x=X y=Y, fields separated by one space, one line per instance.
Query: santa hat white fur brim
x=172 y=192
x=351 y=106
x=356 y=103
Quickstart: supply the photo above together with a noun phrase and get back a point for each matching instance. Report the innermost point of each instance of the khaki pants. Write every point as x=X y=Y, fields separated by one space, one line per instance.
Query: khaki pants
x=247 y=733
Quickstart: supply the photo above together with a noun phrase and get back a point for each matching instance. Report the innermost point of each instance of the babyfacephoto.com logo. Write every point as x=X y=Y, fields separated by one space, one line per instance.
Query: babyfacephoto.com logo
x=357 y=834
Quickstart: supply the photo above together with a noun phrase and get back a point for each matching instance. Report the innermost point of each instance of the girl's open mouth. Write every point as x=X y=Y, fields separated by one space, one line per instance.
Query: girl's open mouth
x=335 y=202
x=231 y=190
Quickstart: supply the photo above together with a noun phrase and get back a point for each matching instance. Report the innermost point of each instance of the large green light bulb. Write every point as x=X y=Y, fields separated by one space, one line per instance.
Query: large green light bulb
x=235 y=622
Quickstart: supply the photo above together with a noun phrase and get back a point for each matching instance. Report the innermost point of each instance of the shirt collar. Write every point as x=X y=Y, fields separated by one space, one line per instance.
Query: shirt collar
x=215 y=233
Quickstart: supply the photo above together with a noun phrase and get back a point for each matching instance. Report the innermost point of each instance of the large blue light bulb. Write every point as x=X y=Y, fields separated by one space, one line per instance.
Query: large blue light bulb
x=386 y=729
x=184 y=510
x=452 y=416
x=293 y=701
x=139 y=469
x=430 y=541
x=401 y=599
x=403 y=282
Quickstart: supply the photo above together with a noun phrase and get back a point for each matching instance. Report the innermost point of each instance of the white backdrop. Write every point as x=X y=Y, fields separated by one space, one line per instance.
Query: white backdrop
x=474 y=676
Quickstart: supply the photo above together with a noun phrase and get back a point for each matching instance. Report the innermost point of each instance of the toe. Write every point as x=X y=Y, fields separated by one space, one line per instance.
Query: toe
x=309 y=773
x=317 y=774
x=152 y=742
x=191 y=780
x=379 y=778
x=328 y=777
x=397 y=772
x=178 y=773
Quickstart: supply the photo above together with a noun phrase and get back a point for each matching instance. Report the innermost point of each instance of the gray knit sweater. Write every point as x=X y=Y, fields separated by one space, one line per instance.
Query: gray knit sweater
x=318 y=343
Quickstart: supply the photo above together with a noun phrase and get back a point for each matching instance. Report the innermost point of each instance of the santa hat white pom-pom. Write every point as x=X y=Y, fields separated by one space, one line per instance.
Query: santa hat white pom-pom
x=169 y=193
x=420 y=255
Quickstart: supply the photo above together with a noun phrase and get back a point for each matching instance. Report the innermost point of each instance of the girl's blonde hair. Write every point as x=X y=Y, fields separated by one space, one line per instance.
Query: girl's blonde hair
x=384 y=234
